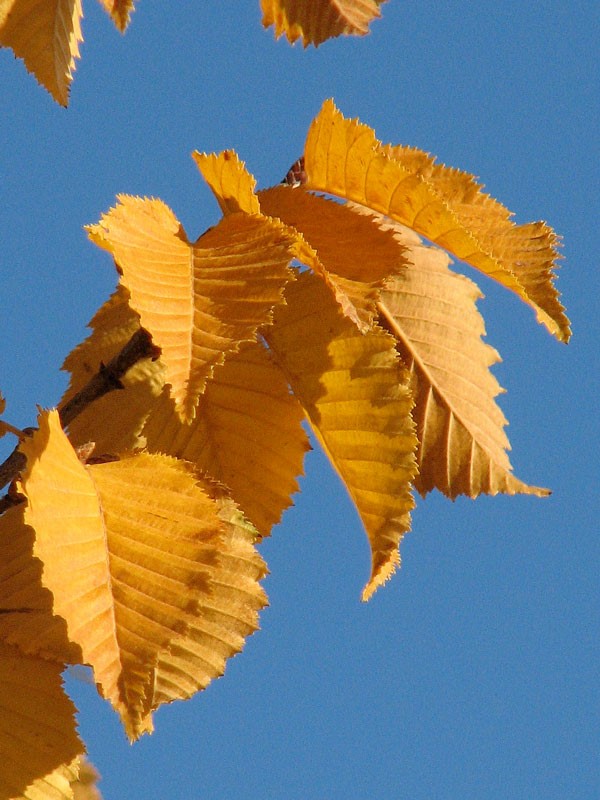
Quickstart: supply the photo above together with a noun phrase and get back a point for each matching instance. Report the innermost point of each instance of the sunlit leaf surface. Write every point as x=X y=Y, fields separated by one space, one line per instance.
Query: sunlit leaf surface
x=356 y=397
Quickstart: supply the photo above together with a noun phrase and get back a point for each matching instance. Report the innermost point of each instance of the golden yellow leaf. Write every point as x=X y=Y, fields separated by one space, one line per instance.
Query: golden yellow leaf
x=119 y=11
x=46 y=35
x=352 y=253
x=37 y=728
x=27 y=619
x=198 y=301
x=84 y=786
x=57 y=785
x=247 y=434
x=127 y=547
x=229 y=180
x=355 y=394
x=113 y=422
x=319 y=20
x=343 y=157
x=225 y=617
x=462 y=444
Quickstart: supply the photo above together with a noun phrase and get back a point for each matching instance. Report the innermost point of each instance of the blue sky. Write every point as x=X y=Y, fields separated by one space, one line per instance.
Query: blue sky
x=474 y=672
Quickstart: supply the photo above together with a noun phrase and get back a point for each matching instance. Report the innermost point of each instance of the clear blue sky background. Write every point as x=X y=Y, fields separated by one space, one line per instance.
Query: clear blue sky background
x=474 y=673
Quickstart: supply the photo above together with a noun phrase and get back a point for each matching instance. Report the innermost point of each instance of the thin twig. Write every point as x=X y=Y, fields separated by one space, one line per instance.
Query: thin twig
x=104 y=381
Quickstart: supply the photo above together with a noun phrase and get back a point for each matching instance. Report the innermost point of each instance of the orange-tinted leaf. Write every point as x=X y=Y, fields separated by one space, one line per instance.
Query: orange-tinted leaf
x=46 y=35
x=37 y=728
x=247 y=434
x=353 y=254
x=225 y=616
x=27 y=619
x=112 y=422
x=344 y=158
x=229 y=180
x=319 y=20
x=120 y=11
x=462 y=445
x=57 y=785
x=126 y=547
x=355 y=394
x=198 y=301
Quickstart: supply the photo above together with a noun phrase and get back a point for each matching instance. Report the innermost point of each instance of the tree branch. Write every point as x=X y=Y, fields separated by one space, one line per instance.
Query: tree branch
x=104 y=381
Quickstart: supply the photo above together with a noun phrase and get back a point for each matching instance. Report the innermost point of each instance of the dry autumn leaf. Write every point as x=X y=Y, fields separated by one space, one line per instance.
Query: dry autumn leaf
x=198 y=301
x=113 y=422
x=431 y=312
x=343 y=158
x=246 y=402
x=355 y=393
x=47 y=35
x=319 y=20
x=129 y=549
x=38 y=737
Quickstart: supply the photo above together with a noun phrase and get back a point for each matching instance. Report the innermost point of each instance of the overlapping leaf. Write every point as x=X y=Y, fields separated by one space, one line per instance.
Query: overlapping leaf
x=354 y=392
x=432 y=313
x=246 y=434
x=344 y=158
x=224 y=618
x=61 y=784
x=113 y=422
x=229 y=180
x=353 y=254
x=127 y=548
x=27 y=619
x=199 y=301
x=319 y=20
x=37 y=729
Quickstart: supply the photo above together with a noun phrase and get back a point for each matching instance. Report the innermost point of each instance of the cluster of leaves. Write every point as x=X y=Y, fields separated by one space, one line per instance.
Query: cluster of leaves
x=47 y=35
x=314 y=300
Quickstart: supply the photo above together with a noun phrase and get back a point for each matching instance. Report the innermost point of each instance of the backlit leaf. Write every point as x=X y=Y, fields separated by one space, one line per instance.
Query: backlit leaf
x=113 y=422
x=27 y=617
x=355 y=394
x=353 y=254
x=126 y=548
x=225 y=617
x=120 y=11
x=246 y=434
x=343 y=157
x=46 y=35
x=229 y=180
x=198 y=301
x=462 y=445
x=57 y=785
x=37 y=728
x=319 y=20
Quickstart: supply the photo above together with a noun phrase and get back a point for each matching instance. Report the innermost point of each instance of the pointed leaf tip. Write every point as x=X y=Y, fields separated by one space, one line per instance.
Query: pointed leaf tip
x=47 y=37
x=231 y=183
x=343 y=157
x=198 y=301
x=319 y=20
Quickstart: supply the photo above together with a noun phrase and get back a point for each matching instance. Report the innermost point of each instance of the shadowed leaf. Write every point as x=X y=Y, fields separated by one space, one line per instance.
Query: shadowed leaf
x=319 y=20
x=37 y=729
x=198 y=301
x=246 y=434
x=343 y=157
x=354 y=392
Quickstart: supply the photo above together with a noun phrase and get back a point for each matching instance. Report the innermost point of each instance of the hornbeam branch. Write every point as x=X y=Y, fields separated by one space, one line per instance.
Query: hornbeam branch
x=104 y=381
